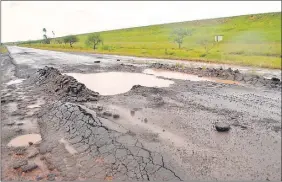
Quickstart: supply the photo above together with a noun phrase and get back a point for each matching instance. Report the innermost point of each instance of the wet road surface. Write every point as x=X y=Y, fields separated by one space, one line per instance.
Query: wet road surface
x=161 y=133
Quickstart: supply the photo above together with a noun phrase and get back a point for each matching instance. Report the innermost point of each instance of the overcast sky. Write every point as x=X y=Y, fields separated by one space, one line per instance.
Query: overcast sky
x=25 y=20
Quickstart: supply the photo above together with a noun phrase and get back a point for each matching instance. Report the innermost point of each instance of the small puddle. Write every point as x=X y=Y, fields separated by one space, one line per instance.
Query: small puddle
x=24 y=140
x=68 y=147
x=174 y=75
x=17 y=81
x=126 y=118
x=38 y=104
x=112 y=83
x=185 y=76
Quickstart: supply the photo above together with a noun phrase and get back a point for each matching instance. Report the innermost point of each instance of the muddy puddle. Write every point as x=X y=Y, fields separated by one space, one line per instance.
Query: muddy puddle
x=138 y=123
x=68 y=147
x=185 y=76
x=174 y=75
x=112 y=83
x=37 y=104
x=24 y=140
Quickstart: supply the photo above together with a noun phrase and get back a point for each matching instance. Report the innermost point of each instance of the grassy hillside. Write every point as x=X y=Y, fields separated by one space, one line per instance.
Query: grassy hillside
x=253 y=40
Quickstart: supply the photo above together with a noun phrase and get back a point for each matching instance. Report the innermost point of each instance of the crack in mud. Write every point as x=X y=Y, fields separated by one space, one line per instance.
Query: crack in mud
x=122 y=155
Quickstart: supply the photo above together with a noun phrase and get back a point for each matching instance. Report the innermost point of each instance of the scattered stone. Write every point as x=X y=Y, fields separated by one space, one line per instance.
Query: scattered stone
x=243 y=127
x=116 y=116
x=163 y=130
x=229 y=70
x=20 y=124
x=34 y=152
x=276 y=128
x=20 y=150
x=145 y=120
x=21 y=118
x=132 y=112
x=16 y=113
x=221 y=126
x=19 y=130
x=10 y=124
x=38 y=178
x=100 y=108
x=51 y=177
x=106 y=113
x=17 y=164
x=118 y=59
x=275 y=79
x=29 y=167
x=97 y=61
x=42 y=158
x=30 y=143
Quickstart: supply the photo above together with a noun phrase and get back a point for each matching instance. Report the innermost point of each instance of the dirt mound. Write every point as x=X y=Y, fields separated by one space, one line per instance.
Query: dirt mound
x=63 y=86
x=228 y=74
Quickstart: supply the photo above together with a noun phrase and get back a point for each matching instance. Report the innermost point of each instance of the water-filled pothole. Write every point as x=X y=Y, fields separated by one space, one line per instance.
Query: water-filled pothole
x=24 y=140
x=111 y=83
x=185 y=76
x=174 y=75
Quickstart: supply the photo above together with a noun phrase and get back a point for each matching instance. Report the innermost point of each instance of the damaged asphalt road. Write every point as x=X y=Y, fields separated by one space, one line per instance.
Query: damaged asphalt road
x=146 y=133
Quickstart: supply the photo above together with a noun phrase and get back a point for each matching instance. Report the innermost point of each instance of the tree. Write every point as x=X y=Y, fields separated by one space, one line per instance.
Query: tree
x=46 y=40
x=53 y=34
x=208 y=44
x=59 y=41
x=70 y=39
x=178 y=35
x=93 y=40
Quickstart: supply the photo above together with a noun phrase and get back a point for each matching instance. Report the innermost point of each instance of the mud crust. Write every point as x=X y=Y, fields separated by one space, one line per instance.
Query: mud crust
x=102 y=152
x=228 y=74
x=65 y=87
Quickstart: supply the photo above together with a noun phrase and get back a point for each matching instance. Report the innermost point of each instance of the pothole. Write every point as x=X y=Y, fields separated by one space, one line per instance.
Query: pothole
x=112 y=83
x=24 y=140
x=185 y=76
x=174 y=75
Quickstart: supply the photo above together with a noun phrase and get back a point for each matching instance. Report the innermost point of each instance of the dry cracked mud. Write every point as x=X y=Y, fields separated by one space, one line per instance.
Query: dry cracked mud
x=67 y=132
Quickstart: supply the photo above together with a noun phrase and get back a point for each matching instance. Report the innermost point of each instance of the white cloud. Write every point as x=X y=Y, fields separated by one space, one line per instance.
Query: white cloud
x=24 y=20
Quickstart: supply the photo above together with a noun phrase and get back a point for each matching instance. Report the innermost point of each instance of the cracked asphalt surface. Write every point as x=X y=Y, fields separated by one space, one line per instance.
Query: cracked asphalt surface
x=161 y=133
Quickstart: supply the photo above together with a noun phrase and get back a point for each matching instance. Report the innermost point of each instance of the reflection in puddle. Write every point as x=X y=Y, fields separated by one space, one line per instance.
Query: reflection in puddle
x=112 y=83
x=135 y=124
x=17 y=81
x=24 y=140
x=185 y=76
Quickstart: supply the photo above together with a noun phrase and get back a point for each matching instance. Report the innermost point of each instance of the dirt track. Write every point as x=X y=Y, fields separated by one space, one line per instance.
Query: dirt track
x=162 y=133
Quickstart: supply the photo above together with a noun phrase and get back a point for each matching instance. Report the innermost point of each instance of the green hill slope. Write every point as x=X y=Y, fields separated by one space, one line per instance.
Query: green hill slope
x=253 y=40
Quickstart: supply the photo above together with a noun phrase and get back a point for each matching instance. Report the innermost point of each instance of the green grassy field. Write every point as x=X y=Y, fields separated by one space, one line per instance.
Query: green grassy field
x=3 y=49
x=250 y=40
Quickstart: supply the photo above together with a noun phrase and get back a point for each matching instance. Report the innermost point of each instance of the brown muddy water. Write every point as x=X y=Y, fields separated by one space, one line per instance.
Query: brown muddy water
x=112 y=83
x=24 y=140
x=185 y=76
